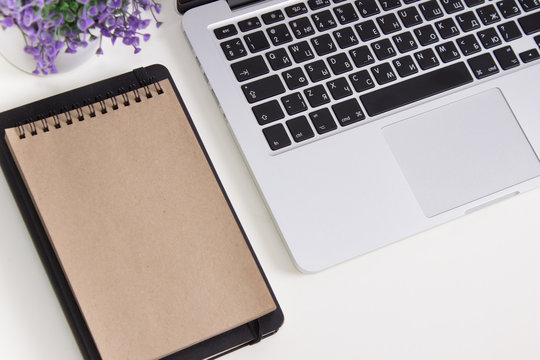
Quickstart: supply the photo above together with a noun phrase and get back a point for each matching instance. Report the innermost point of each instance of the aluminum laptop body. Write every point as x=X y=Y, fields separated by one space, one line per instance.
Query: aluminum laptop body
x=338 y=194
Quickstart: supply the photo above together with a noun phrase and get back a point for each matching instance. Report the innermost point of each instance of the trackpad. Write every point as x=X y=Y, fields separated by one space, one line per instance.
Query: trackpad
x=462 y=152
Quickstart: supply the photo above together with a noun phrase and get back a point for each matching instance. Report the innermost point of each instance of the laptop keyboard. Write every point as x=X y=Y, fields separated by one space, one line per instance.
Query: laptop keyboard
x=310 y=68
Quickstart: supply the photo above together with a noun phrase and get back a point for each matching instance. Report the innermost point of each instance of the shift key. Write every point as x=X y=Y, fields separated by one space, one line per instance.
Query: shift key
x=263 y=89
x=530 y=23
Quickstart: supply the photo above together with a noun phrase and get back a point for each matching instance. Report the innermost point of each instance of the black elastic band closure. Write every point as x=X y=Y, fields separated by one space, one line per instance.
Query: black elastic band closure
x=255 y=328
x=142 y=76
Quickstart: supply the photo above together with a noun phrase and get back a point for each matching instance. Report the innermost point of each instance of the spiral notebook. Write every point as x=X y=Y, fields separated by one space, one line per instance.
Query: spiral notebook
x=139 y=238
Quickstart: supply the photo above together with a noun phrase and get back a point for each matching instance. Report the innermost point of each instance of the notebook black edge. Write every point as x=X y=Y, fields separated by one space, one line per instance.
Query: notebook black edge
x=209 y=349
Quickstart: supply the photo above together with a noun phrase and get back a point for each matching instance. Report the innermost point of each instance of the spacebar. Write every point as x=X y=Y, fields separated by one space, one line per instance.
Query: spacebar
x=414 y=89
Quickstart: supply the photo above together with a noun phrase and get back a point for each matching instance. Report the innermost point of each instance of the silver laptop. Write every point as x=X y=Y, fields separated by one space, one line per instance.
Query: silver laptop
x=365 y=122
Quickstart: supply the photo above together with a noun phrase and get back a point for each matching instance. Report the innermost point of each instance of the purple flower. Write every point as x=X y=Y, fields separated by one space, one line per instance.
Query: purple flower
x=144 y=24
x=127 y=41
x=7 y=22
x=84 y=23
x=93 y=11
x=28 y=17
x=116 y=4
x=49 y=26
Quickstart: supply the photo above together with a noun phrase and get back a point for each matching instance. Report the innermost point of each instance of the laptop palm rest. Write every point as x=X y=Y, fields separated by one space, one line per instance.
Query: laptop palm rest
x=462 y=152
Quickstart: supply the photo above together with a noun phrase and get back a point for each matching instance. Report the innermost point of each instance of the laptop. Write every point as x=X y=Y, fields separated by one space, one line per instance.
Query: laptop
x=365 y=122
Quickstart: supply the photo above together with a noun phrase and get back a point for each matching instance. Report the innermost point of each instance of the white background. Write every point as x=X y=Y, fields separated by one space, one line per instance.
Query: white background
x=467 y=290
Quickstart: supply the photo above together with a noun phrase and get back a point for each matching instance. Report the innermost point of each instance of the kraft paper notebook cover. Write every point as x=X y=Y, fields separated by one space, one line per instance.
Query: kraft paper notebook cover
x=140 y=240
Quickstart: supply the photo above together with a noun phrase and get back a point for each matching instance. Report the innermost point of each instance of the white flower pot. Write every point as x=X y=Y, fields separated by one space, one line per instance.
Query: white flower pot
x=12 y=49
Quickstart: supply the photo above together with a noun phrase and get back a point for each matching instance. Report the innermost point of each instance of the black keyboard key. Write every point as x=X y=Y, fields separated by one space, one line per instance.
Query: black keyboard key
x=345 y=37
x=430 y=9
x=416 y=88
x=468 y=45
x=483 y=66
x=529 y=5
x=383 y=49
x=302 y=27
x=345 y=13
x=489 y=38
x=249 y=68
x=277 y=137
x=488 y=14
x=529 y=55
x=367 y=30
x=405 y=66
x=323 y=44
x=389 y=4
x=409 y=1
x=249 y=24
x=318 y=4
x=388 y=23
x=316 y=96
x=301 y=52
x=322 y=121
x=530 y=23
x=294 y=78
x=508 y=8
x=362 y=56
x=447 y=52
x=256 y=41
x=339 y=88
x=339 y=63
x=233 y=49
x=452 y=6
x=278 y=59
x=296 y=9
x=225 y=31
x=272 y=17
x=447 y=28
x=405 y=42
x=467 y=21
x=279 y=34
x=294 y=103
x=506 y=57
x=471 y=3
x=348 y=112
x=324 y=20
x=509 y=31
x=426 y=35
x=263 y=89
x=410 y=16
x=537 y=40
x=361 y=81
x=317 y=71
x=367 y=8
x=268 y=112
x=383 y=73
x=426 y=59
x=300 y=129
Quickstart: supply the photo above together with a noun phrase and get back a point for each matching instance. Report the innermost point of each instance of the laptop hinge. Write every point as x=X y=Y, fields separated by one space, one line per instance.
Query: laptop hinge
x=185 y=5
x=237 y=3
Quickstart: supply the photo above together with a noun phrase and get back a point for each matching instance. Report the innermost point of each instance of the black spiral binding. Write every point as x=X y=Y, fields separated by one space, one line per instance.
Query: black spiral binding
x=98 y=104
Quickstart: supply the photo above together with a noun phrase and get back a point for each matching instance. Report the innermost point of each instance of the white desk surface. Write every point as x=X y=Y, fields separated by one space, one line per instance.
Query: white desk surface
x=467 y=290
